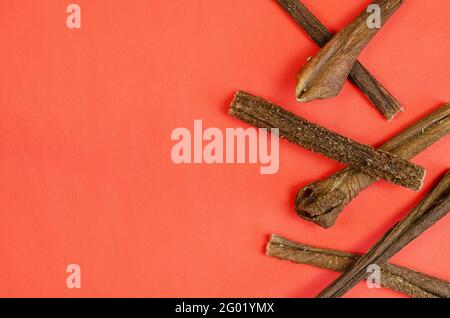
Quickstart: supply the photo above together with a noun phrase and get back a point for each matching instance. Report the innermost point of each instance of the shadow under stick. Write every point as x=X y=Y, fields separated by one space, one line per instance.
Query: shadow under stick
x=324 y=75
x=359 y=75
x=432 y=208
x=322 y=201
x=404 y=280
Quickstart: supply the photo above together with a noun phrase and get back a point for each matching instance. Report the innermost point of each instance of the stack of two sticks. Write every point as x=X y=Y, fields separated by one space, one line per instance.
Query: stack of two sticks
x=321 y=202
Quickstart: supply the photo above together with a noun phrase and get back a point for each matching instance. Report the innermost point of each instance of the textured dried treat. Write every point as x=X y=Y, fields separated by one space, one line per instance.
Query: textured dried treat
x=431 y=209
x=359 y=75
x=323 y=76
x=398 y=278
x=322 y=201
x=378 y=163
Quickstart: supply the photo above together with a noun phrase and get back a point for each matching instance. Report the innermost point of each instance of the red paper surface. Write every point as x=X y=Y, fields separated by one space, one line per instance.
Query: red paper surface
x=85 y=123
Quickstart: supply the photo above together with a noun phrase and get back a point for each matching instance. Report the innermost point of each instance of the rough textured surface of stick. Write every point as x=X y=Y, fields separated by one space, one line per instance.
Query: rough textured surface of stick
x=324 y=75
x=322 y=201
x=398 y=278
x=431 y=209
x=359 y=75
x=378 y=163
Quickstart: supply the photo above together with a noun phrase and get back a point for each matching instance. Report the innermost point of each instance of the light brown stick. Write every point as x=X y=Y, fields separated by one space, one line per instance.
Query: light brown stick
x=398 y=278
x=359 y=75
x=324 y=75
x=431 y=209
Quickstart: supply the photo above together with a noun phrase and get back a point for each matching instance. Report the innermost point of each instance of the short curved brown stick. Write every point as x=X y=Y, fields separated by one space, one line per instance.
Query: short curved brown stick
x=324 y=75
x=359 y=75
x=404 y=280
x=433 y=207
x=322 y=201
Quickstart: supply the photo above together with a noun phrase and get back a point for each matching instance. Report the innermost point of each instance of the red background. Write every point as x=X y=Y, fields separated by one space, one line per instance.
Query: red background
x=85 y=123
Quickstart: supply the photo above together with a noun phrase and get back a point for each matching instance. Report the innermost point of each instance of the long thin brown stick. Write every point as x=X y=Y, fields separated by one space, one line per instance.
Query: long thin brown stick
x=359 y=75
x=324 y=75
x=322 y=201
x=398 y=278
x=378 y=163
x=431 y=209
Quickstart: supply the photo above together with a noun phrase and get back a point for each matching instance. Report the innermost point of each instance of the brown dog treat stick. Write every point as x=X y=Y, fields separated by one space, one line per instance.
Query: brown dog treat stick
x=431 y=209
x=378 y=163
x=324 y=75
x=398 y=278
x=322 y=201
x=359 y=75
